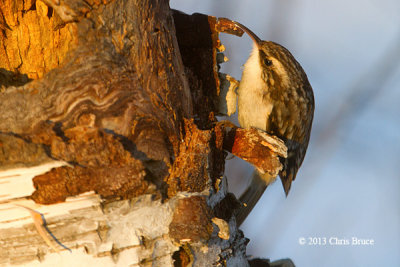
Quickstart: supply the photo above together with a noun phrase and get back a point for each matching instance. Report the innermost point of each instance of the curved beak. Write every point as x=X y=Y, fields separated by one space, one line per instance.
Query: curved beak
x=255 y=38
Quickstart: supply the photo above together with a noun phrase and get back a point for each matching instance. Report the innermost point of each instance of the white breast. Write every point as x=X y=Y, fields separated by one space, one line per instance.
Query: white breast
x=253 y=105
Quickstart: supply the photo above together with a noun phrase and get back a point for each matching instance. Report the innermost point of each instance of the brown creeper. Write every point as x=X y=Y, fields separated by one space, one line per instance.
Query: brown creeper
x=275 y=96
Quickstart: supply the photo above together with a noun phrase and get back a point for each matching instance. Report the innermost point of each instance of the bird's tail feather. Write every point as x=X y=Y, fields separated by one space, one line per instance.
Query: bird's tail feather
x=253 y=193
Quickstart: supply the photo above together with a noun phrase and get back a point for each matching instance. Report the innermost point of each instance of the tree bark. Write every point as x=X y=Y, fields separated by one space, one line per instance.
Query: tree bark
x=109 y=107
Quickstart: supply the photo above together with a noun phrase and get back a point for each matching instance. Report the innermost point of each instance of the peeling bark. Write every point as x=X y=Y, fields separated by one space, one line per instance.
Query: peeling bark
x=109 y=107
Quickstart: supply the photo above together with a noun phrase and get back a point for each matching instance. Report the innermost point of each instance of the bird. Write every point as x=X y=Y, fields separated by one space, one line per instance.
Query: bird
x=274 y=96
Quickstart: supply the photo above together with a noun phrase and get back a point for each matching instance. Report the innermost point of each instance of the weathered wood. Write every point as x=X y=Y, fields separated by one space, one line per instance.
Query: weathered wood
x=256 y=147
x=110 y=112
x=120 y=90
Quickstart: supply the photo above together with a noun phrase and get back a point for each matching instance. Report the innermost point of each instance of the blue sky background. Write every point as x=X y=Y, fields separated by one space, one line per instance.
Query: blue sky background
x=349 y=183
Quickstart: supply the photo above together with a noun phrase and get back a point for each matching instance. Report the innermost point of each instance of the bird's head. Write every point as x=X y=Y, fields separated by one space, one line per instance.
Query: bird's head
x=279 y=67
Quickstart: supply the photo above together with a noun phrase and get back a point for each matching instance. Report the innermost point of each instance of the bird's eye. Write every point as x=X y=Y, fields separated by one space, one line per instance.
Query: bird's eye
x=264 y=58
x=267 y=62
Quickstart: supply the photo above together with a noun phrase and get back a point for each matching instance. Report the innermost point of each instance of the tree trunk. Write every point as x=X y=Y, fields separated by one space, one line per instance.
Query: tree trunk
x=108 y=108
